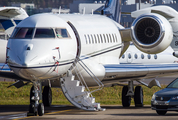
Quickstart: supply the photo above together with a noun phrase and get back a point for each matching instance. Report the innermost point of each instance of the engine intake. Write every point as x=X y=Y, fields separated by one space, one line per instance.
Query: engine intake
x=151 y=33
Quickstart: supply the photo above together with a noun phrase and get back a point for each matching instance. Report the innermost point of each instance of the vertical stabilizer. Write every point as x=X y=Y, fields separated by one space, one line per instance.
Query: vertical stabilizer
x=112 y=9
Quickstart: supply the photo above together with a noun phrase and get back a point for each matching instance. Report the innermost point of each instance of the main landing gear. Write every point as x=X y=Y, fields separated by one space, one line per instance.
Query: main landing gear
x=36 y=108
x=128 y=92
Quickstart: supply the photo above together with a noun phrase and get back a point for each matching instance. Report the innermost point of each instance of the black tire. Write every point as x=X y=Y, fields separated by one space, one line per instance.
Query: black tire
x=160 y=112
x=40 y=109
x=138 y=96
x=47 y=96
x=32 y=108
x=31 y=95
x=125 y=99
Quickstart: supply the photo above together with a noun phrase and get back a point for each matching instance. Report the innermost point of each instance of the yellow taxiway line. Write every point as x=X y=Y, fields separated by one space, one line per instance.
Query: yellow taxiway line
x=44 y=114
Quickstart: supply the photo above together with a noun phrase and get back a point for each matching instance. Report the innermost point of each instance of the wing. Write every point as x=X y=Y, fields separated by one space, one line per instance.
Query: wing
x=124 y=72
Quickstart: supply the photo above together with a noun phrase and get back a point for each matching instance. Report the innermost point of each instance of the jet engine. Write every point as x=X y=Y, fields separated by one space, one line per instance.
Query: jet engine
x=151 y=33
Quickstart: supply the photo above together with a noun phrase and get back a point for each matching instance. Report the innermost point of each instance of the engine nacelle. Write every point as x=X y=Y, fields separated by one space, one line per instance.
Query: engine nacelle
x=151 y=33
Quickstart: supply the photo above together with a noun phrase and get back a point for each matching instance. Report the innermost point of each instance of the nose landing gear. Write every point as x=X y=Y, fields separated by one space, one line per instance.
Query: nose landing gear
x=35 y=108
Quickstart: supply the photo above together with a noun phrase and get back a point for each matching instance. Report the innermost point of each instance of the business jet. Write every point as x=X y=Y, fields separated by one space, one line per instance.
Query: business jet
x=76 y=52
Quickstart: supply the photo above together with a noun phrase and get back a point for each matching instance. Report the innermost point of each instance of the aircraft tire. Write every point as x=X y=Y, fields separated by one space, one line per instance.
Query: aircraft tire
x=47 y=96
x=41 y=109
x=138 y=96
x=125 y=99
x=31 y=107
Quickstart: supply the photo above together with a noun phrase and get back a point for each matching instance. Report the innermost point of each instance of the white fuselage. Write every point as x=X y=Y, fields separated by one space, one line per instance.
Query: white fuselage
x=91 y=37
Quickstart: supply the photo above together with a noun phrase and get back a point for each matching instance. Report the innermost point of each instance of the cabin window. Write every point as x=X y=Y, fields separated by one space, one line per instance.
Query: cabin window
x=129 y=56
x=104 y=38
x=86 y=39
x=62 y=33
x=123 y=56
x=115 y=37
x=149 y=56
x=92 y=38
x=101 y=38
x=155 y=56
x=89 y=39
x=95 y=39
x=142 y=56
x=136 y=56
x=110 y=37
x=44 y=33
x=23 y=33
x=107 y=37
x=98 y=38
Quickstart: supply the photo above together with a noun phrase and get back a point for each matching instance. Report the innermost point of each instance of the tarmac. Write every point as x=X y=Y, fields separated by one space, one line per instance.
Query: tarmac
x=113 y=112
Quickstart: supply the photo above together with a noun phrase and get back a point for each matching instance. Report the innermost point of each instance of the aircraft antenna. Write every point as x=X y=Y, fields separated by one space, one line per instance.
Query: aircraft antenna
x=59 y=10
x=92 y=11
x=84 y=11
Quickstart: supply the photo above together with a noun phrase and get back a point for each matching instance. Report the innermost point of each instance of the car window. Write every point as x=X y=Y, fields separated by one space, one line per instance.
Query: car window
x=173 y=84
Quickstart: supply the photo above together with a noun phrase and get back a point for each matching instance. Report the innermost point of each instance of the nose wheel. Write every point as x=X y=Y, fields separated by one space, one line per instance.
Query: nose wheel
x=35 y=108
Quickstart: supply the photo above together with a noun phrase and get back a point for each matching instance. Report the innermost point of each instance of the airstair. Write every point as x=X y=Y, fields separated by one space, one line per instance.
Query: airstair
x=77 y=91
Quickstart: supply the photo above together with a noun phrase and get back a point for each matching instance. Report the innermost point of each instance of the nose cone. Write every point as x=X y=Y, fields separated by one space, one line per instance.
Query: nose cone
x=32 y=60
x=25 y=54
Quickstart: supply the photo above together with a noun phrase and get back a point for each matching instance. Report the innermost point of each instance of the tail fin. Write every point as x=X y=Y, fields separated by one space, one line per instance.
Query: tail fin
x=10 y=17
x=112 y=9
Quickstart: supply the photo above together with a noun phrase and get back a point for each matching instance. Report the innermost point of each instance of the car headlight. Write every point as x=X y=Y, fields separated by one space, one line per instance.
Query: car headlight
x=175 y=98
x=153 y=97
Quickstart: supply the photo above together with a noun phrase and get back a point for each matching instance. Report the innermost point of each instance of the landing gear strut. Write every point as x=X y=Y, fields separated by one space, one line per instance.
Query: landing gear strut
x=35 y=95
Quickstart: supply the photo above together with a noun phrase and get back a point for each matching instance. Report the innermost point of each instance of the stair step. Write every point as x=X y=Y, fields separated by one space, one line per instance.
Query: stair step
x=79 y=90
x=77 y=95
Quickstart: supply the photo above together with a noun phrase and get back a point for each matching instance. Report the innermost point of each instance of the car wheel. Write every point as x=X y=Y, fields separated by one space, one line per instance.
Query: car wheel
x=160 y=112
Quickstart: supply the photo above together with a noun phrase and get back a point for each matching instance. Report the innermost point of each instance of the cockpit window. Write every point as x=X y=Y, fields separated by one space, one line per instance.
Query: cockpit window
x=62 y=33
x=44 y=33
x=23 y=33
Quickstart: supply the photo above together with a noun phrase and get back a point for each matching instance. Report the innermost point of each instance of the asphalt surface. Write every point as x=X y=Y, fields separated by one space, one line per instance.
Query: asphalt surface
x=19 y=112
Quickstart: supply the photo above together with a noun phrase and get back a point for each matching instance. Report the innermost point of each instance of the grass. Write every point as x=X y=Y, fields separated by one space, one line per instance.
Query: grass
x=106 y=96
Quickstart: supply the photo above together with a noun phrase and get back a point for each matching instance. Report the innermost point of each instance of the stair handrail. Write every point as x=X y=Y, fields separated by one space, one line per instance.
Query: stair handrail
x=89 y=72
x=80 y=77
